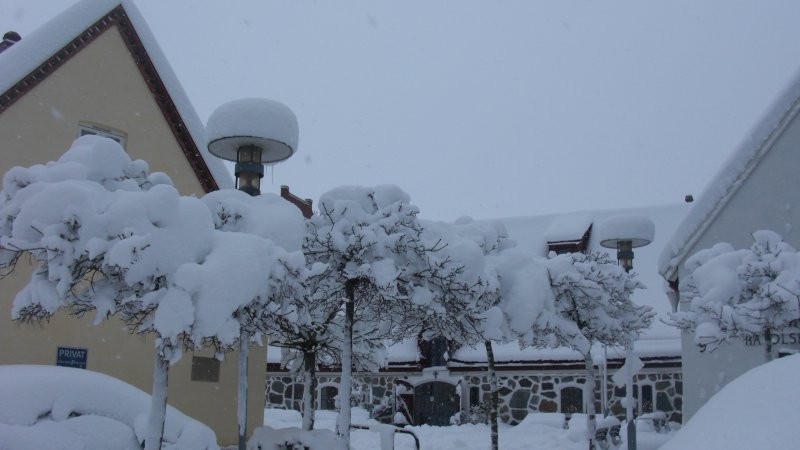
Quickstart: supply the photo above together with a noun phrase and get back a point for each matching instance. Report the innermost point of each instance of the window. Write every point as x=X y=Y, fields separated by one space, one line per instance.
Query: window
x=646 y=398
x=434 y=352
x=85 y=128
x=327 y=397
x=571 y=400
x=474 y=396
x=205 y=369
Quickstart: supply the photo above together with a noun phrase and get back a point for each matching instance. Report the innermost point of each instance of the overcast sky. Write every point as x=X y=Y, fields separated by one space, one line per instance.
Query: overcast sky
x=487 y=109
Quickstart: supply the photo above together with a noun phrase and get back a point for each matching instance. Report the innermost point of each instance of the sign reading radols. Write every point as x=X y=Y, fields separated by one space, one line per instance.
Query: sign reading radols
x=71 y=357
x=789 y=336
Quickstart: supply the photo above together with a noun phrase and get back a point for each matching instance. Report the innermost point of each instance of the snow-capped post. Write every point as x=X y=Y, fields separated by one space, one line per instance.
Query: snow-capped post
x=626 y=232
x=252 y=132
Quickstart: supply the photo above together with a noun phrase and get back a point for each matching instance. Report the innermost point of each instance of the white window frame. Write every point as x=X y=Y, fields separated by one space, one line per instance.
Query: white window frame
x=87 y=128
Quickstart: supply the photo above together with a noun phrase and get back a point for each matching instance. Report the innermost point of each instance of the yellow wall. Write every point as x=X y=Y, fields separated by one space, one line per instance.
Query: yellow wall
x=102 y=85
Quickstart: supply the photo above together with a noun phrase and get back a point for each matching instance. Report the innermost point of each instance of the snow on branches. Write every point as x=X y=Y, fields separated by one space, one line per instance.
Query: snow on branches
x=733 y=293
x=592 y=302
x=109 y=237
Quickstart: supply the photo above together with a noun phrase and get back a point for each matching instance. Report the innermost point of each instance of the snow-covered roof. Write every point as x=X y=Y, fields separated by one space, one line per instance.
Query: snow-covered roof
x=532 y=233
x=36 y=50
x=728 y=180
x=510 y=354
x=568 y=227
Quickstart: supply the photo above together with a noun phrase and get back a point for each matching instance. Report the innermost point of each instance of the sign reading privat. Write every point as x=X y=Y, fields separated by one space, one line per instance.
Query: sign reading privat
x=71 y=357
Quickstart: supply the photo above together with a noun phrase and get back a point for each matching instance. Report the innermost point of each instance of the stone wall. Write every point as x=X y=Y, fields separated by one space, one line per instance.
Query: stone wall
x=369 y=391
x=519 y=393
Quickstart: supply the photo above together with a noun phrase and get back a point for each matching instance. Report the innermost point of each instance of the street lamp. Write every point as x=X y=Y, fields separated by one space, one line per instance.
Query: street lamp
x=626 y=232
x=252 y=132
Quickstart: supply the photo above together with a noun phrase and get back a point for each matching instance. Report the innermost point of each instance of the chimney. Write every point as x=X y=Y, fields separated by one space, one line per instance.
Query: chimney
x=688 y=199
x=9 y=39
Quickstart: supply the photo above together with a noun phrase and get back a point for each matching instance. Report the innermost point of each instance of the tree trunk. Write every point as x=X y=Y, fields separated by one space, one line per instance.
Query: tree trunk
x=494 y=395
x=588 y=399
x=768 y=338
x=309 y=388
x=345 y=384
x=631 y=423
x=158 y=404
x=241 y=406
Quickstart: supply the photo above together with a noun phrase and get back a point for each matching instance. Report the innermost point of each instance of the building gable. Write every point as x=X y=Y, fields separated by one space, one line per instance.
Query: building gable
x=181 y=119
x=728 y=181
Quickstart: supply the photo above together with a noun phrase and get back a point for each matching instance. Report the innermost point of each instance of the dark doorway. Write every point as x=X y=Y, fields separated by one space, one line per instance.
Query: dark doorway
x=571 y=400
x=434 y=403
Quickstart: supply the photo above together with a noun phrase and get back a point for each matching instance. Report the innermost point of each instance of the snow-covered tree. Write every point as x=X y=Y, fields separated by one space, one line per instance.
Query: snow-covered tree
x=572 y=300
x=522 y=298
x=270 y=217
x=370 y=238
x=109 y=237
x=593 y=305
x=463 y=287
x=733 y=293
x=310 y=333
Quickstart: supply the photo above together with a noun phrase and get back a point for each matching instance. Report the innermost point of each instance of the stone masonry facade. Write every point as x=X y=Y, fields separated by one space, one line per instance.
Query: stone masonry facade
x=519 y=393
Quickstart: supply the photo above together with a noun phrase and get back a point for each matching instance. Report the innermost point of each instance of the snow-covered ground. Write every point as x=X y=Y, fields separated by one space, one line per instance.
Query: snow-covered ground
x=525 y=436
x=758 y=410
x=54 y=408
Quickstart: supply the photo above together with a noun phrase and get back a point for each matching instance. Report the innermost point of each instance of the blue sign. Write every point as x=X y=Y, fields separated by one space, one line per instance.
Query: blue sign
x=71 y=357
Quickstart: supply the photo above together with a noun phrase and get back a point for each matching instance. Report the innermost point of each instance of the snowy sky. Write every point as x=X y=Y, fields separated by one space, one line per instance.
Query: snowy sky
x=487 y=109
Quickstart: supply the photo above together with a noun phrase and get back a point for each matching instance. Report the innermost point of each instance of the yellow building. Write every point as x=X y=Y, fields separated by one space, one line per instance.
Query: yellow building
x=97 y=69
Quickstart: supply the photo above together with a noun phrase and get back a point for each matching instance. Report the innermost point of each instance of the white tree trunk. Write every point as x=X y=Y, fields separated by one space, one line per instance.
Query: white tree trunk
x=241 y=404
x=309 y=389
x=158 y=404
x=588 y=399
x=345 y=384
x=492 y=375
x=631 y=424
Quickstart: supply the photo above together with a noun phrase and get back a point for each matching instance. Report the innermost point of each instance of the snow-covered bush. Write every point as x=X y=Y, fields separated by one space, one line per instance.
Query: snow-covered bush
x=476 y=414
x=733 y=293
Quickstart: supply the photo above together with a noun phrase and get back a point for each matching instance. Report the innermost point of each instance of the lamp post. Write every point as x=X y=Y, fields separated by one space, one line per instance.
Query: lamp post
x=251 y=132
x=626 y=232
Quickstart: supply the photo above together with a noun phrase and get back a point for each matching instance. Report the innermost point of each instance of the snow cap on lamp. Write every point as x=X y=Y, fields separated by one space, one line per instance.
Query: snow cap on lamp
x=259 y=122
x=637 y=228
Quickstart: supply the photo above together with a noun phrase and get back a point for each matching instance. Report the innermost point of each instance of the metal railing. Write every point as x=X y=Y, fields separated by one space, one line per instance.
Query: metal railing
x=396 y=430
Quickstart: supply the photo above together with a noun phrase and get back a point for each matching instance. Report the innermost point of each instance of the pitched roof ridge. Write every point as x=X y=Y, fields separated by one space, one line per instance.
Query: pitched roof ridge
x=727 y=181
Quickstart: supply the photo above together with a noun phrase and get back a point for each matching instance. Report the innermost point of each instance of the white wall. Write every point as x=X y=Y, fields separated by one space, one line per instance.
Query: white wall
x=768 y=199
